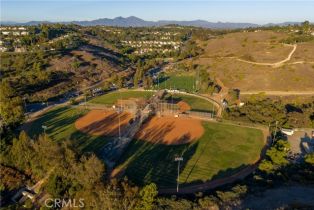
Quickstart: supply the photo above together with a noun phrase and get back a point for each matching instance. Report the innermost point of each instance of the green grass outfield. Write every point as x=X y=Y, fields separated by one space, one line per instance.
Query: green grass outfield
x=60 y=127
x=221 y=151
x=112 y=97
x=177 y=81
x=196 y=104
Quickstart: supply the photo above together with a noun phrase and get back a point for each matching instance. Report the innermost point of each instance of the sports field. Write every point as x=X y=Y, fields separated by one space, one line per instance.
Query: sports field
x=221 y=151
x=184 y=82
x=196 y=104
x=60 y=124
x=210 y=150
x=113 y=97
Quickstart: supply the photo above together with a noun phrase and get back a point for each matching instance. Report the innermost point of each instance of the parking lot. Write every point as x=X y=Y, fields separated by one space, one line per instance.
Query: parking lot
x=299 y=136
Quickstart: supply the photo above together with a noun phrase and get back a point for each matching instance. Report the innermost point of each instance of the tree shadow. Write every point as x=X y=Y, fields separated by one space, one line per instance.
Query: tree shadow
x=161 y=80
x=290 y=108
x=105 y=126
x=149 y=162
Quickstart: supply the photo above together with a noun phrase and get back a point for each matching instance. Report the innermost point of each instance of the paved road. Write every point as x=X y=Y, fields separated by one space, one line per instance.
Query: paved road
x=277 y=93
x=287 y=197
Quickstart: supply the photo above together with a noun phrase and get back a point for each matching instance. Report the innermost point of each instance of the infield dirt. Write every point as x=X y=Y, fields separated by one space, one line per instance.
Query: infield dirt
x=171 y=130
x=100 y=122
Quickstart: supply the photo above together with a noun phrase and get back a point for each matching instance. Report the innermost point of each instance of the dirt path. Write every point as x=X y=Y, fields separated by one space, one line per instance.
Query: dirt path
x=278 y=93
x=275 y=65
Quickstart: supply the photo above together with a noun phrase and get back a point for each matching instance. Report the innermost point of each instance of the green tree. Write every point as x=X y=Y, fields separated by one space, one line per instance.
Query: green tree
x=309 y=158
x=148 y=195
x=277 y=157
x=148 y=82
x=138 y=76
x=11 y=106
x=57 y=186
x=89 y=172
x=22 y=152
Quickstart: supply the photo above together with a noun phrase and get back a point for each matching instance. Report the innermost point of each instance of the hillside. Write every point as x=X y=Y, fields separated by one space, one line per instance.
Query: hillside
x=259 y=61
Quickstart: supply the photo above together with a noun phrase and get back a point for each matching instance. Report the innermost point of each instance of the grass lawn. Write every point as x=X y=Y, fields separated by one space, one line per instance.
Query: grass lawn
x=177 y=81
x=111 y=98
x=221 y=151
x=60 y=123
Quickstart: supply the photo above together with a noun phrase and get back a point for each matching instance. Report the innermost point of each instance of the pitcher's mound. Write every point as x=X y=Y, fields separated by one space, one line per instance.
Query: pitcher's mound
x=171 y=130
x=100 y=122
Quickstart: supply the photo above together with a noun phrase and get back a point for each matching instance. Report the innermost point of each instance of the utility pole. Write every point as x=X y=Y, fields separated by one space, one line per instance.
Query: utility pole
x=119 y=125
x=178 y=159
x=85 y=101
x=119 y=111
x=172 y=103
x=275 y=132
x=25 y=107
x=213 y=110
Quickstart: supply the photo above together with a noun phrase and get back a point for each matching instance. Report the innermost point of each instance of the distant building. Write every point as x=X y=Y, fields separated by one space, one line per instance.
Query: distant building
x=5 y=32
x=3 y=49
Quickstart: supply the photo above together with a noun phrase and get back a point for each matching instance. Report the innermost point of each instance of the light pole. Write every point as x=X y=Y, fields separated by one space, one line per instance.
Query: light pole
x=213 y=111
x=119 y=112
x=178 y=159
x=45 y=128
x=275 y=132
x=85 y=101
x=25 y=107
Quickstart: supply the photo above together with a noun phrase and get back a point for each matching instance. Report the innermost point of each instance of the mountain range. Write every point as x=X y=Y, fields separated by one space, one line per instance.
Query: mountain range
x=133 y=21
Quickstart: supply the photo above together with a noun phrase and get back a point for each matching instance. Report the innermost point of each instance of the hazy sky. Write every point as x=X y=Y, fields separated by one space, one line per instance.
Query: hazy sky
x=263 y=11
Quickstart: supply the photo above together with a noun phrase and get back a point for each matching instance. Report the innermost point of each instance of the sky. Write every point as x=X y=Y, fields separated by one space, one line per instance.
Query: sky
x=253 y=11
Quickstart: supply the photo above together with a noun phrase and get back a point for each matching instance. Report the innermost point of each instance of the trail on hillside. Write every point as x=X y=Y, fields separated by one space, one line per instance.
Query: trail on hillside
x=275 y=65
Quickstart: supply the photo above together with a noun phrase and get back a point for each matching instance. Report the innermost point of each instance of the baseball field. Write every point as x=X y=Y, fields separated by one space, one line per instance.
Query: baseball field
x=209 y=149
x=221 y=151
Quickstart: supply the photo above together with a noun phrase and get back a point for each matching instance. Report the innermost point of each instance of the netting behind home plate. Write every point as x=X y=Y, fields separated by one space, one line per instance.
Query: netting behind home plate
x=130 y=105
x=168 y=108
